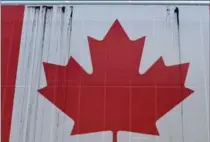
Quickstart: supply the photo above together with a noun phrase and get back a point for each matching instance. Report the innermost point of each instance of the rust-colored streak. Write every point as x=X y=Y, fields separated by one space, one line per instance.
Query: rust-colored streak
x=11 y=21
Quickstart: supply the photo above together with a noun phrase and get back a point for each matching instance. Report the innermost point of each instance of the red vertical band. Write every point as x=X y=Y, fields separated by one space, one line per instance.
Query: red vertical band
x=11 y=21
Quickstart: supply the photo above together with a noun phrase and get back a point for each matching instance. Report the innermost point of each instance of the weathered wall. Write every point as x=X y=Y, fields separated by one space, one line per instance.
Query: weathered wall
x=53 y=34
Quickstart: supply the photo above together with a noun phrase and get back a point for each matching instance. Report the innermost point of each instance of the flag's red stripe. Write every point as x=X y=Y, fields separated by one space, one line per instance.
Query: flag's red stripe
x=11 y=21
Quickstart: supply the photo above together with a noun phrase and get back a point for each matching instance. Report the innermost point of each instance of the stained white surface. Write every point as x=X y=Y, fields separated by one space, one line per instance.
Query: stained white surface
x=53 y=36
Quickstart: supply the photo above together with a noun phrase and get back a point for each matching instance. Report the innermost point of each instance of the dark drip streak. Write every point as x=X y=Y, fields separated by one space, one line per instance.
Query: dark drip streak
x=63 y=9
x=177 y=15
x=48 y=7
x=176 y=11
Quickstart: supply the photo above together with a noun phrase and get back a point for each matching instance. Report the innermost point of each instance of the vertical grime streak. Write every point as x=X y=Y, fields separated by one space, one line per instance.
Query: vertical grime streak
x=69 y=32
x=176 y=11
x=177 y=14
x=45 y=10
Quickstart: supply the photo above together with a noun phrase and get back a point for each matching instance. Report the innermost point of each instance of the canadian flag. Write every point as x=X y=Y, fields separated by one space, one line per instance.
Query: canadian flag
x=105 y=74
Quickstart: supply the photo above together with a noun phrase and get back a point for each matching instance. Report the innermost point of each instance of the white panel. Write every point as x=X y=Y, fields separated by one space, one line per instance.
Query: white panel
x=34 y=118
x=194 y=33
x=51 y=35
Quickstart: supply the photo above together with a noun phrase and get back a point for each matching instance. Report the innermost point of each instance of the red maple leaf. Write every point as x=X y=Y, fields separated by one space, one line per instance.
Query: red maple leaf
x=115 y=96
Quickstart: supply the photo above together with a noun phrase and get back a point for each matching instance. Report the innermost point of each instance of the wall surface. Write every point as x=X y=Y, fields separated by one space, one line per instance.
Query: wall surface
x=37 y=100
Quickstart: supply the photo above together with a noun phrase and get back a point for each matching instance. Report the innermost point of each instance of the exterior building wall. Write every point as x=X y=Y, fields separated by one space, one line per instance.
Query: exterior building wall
x=33 y=35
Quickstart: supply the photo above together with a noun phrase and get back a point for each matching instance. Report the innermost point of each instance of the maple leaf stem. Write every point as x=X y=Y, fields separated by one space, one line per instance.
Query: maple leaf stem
x=115 y=136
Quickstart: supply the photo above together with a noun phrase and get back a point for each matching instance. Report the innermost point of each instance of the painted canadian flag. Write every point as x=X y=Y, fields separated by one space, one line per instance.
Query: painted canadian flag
x=105 y=74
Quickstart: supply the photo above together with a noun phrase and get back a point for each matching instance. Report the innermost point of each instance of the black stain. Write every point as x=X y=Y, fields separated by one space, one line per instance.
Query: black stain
x=48 y=7
x=37 y=7
x=44 y=26
x=176 y=10
x=63 y=9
